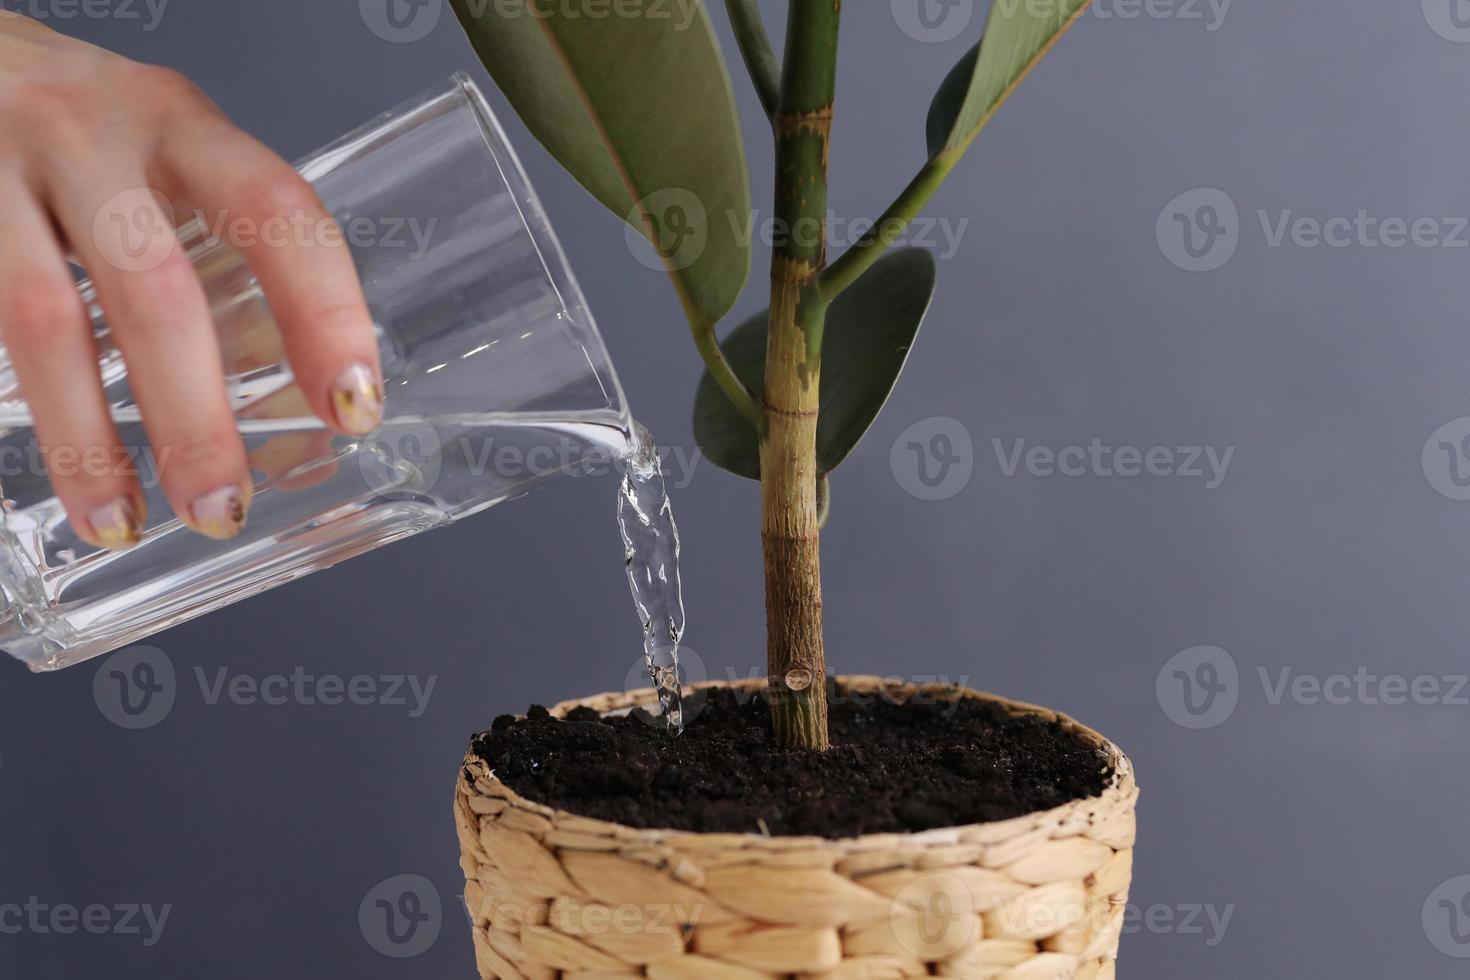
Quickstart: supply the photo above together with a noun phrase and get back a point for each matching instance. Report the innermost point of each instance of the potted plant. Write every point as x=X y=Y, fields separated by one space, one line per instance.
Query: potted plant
x=944 y=831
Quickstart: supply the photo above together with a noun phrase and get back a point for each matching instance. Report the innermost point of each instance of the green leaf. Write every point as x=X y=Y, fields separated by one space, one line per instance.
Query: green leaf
x=870 y=329
x=1018 y=34
x=949 y=100
x=638 y=108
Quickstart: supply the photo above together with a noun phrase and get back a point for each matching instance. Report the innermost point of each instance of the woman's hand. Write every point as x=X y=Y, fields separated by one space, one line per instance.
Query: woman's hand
x=86 y=134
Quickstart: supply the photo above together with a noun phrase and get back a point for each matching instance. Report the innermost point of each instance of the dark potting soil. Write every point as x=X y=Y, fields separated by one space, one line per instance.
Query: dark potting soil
x=893 y=767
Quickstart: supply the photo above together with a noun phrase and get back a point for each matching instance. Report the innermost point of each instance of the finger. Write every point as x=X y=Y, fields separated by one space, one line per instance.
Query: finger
x=160 y=318
x=296 y=250
x=49 y=338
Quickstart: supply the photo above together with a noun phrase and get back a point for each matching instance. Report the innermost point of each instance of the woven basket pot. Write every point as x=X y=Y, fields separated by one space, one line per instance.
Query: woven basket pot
x=554 y=895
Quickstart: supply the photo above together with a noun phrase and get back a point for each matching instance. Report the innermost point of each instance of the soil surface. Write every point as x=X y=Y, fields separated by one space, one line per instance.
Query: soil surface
x=892 y=767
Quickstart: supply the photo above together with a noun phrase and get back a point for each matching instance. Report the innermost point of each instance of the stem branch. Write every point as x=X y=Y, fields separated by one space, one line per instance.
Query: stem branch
x=870 y=248
x=755 y=48
x=720 y=369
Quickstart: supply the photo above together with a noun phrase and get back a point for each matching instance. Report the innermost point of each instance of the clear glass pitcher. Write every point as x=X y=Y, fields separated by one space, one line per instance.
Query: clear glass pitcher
x=495 y=375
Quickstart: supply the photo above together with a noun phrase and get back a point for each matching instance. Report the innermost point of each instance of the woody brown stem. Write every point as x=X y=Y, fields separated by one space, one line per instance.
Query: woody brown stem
x=795 y=658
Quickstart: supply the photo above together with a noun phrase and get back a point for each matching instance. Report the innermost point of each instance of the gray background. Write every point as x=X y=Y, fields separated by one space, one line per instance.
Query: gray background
x=1322 y=828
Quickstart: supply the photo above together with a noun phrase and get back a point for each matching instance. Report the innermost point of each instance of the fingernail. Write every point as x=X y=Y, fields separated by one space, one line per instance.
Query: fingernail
x=117 y=526
x=220 y=514
x=357 y=400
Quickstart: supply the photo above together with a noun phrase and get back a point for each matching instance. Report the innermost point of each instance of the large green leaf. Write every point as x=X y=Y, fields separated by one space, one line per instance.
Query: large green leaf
x=638 y=107
x=949 y=100
x=1018 y=34
x=870 y=329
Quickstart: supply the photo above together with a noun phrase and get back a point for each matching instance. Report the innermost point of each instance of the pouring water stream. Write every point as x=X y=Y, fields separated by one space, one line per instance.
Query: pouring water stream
x=651 y=548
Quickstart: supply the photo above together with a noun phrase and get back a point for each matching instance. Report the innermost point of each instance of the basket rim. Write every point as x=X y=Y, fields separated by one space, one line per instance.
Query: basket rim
x=1120 y=793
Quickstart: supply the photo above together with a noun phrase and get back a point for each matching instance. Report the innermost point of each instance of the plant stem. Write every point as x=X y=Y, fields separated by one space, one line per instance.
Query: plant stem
x=870 y=248
x=790 y=529
x=719 y=368
x=755 y=48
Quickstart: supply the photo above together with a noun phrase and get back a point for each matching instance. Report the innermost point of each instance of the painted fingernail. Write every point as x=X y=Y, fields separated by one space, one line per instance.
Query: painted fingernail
x=220 y=514
x=118 y=525
x=357 y=400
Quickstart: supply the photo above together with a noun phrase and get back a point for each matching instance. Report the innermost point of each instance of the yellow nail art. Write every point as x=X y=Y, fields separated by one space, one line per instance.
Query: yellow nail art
x=117 y=526
x=357 y=400
x=220 y=514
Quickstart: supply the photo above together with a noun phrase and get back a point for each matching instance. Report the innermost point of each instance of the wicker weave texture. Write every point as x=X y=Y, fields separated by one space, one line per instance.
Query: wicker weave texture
x=555 y=896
